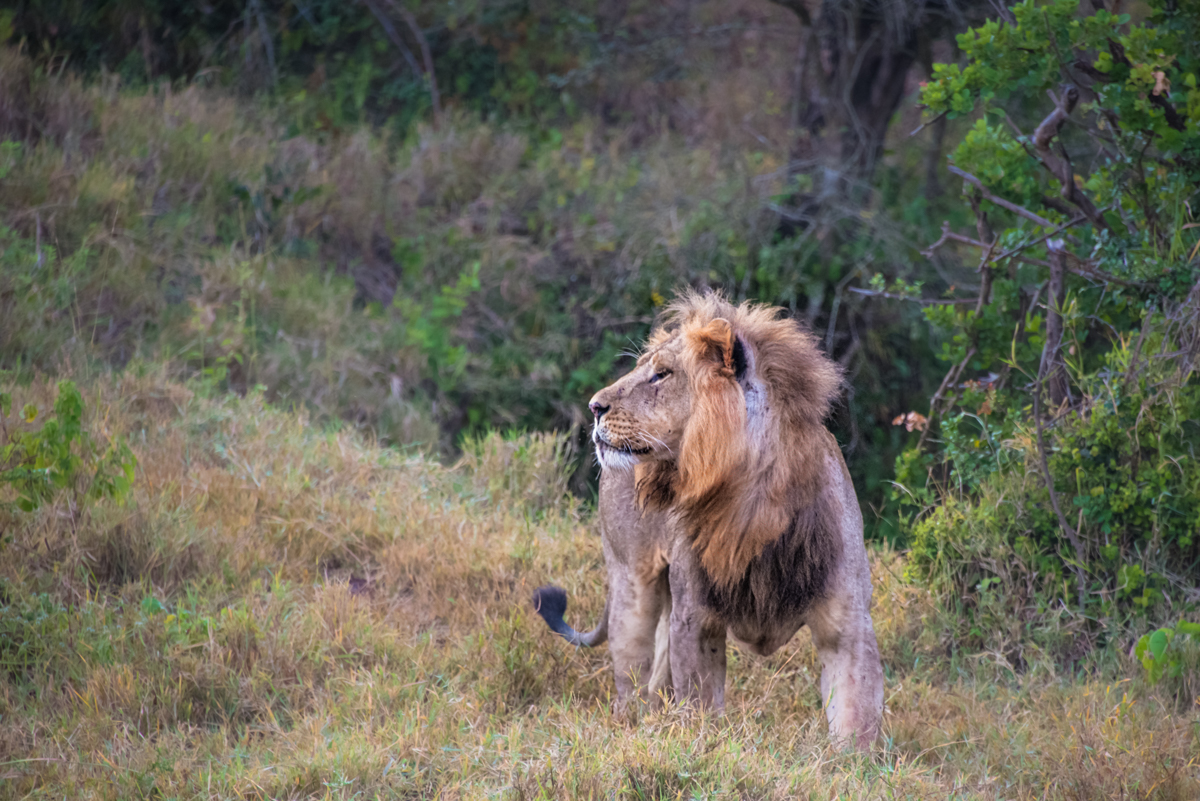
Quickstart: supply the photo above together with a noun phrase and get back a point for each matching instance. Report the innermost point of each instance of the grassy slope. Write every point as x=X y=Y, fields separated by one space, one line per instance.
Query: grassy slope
x=204 y=640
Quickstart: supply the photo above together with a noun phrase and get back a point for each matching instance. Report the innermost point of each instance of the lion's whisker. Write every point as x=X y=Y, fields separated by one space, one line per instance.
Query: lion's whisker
x=650 y=439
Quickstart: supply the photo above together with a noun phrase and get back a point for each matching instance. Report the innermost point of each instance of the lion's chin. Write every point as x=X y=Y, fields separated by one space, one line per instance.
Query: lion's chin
x=616 y=459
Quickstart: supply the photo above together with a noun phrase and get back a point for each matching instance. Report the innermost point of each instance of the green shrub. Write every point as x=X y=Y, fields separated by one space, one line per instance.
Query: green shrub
x=1157 y=655
x=1062 y=445
x=38 y=464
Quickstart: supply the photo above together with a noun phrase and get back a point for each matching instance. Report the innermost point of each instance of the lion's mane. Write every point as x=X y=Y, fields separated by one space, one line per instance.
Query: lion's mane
x=747 y=481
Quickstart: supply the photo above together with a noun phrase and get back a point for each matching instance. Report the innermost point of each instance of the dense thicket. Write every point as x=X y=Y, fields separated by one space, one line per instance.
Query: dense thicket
x=1065 y=469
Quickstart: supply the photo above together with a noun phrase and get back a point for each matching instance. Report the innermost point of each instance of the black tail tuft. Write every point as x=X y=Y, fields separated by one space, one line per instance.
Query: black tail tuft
x=551 y=603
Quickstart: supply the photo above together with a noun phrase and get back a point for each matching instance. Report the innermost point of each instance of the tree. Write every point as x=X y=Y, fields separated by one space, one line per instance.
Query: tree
x=854 y=63
x=1072 y=393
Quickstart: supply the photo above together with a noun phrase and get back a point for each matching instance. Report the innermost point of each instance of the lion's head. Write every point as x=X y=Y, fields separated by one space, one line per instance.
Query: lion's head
x=721 y=420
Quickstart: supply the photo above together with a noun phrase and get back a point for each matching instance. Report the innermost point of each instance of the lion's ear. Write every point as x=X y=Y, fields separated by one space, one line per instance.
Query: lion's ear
x=715 y=342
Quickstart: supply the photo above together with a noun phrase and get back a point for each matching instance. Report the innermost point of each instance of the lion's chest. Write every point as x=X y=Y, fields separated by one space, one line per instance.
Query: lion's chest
x=767 y=605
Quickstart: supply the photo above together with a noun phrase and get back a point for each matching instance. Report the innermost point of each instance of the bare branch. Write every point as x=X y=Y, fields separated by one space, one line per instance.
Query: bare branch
x=1081 y=267
x=389 y=28
x=1014 y=253
x=927 y=123
x=985 y=270
x=798 y=8
x=386 y=23
x=1058 y=205
x=1051 y=368
x=1060 y=167
x=950 y=379
x=1036 y=219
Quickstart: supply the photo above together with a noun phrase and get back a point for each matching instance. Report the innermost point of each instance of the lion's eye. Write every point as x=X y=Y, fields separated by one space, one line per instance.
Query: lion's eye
x=654 y=379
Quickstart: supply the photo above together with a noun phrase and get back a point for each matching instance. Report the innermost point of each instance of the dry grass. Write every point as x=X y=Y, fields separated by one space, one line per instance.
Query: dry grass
x=285 y=611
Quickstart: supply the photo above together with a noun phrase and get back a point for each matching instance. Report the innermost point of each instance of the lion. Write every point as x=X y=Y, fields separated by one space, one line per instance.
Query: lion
x=726 y=509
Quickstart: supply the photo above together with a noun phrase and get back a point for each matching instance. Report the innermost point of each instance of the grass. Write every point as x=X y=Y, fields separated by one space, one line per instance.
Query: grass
x=285 y=610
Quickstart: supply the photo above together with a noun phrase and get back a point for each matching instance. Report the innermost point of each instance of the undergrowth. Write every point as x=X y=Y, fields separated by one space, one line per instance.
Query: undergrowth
x=1056 y=491
x=282 y=610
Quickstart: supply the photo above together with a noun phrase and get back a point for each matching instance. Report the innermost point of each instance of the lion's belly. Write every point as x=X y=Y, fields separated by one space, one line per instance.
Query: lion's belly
x=763 y=640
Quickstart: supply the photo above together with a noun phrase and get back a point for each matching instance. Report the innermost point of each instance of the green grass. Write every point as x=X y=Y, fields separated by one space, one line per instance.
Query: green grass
x=281 y=610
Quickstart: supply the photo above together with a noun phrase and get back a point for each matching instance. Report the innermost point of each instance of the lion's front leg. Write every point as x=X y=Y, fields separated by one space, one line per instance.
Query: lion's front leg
x=851 y=674
x=637 y=604
x=697 y=638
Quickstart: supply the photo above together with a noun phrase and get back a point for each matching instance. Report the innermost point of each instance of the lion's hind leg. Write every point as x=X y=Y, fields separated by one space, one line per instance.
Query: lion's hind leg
x=660 y=674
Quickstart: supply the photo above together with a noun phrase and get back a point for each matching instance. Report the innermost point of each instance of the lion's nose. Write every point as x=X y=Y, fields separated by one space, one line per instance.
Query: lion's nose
x=598 y=409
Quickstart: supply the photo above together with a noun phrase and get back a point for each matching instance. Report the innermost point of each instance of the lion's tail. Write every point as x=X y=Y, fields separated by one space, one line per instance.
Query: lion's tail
x=551 y=603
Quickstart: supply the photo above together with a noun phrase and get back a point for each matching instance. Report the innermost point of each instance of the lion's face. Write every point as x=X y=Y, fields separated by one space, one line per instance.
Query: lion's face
x=641 y=417
x=682 y=403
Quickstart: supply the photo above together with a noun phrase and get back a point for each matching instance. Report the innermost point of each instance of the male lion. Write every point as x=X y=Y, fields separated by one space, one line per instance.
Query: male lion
x=725 y=507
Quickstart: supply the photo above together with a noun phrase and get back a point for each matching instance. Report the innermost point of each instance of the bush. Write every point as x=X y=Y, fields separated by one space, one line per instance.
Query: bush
x=1063 y=439
x=462 y=279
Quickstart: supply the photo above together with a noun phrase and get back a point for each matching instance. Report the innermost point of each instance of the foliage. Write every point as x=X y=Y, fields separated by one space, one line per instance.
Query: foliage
x=1065 y=446
x=59 y=457
x=429 y=287
x=337 y=64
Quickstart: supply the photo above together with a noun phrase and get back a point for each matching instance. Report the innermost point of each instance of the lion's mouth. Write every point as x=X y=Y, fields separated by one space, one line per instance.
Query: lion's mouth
x=604 y=446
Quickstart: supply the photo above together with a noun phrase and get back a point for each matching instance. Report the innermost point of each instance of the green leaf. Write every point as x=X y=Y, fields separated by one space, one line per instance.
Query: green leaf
x=1159 y=641
x=1143 y=643
x=151 y=605
x=1189 y=628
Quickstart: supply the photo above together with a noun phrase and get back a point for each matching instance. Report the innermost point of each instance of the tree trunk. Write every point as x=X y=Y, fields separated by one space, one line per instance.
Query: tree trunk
x=1052 y=371
x=853 y=66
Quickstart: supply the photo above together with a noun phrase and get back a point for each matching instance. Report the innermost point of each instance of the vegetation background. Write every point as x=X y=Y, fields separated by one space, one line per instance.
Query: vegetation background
x=285 y=286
